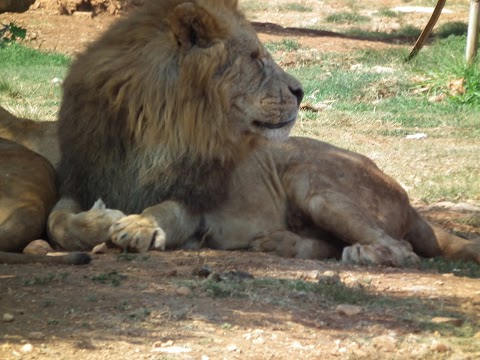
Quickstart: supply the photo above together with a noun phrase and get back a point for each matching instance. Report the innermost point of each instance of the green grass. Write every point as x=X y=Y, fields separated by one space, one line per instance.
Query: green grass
x=386 y=12
x=113 y=278
x=346 y=18
x=457 y=28
x=443 y=62
x=296 y=7
x=456 y=267
x=252 y=6
x=26 y=85
x=286 y=44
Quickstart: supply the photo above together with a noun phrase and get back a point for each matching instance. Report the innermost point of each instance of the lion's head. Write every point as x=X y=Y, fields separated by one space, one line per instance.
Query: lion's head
x=179 y=83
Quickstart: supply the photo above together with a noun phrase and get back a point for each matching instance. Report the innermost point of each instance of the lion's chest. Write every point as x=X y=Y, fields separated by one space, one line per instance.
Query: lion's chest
x=256 y=205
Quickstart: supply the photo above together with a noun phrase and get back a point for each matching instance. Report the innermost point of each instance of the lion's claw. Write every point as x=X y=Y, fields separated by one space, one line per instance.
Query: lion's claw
x=138 y=233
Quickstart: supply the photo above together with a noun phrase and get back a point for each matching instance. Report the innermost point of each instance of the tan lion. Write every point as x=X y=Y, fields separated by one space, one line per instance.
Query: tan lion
x=174 y=126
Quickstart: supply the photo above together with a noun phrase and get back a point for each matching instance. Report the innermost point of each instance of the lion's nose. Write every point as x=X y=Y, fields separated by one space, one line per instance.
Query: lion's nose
x=298 y=93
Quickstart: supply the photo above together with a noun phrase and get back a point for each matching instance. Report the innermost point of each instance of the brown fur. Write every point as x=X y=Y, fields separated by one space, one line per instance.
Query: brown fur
x=38 y=136
x=27 y=190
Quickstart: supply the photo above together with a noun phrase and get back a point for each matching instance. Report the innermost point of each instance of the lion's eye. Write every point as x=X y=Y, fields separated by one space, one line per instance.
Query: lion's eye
x=256 y=56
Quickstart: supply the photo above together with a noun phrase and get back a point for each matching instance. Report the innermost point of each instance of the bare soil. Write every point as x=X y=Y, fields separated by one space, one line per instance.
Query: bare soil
x=159 y=307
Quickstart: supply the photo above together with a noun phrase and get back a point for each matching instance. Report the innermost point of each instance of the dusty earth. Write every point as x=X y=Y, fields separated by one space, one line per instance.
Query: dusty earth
x=163 y=305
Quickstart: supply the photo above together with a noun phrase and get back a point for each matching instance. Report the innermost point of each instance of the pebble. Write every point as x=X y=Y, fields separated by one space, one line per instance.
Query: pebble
x=448 y=321
x=385 y=342
x=348 y=310
x=184 y=291
x=7 y=317
x=57 y=81
x=233 y=347
x=26 y=348
x=37 y=247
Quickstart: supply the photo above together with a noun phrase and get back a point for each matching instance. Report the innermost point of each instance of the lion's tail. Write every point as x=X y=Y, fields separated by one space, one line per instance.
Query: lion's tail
x=431 y=241
x=74 y=258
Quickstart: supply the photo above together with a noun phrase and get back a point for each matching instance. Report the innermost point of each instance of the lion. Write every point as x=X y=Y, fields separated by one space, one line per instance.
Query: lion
x=174 y=133
x=27 y=194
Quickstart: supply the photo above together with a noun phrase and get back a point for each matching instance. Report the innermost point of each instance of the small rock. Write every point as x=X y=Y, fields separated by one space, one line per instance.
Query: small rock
x=259 y=341
x=348 y=310
x=57 y=81
x=233 y=347
x=27 y=348
x=383 y=70
x=167 y=343
x=448 y=321
x=7 y=317
x=100 y=249
x=385 y=342
x=36 y=335
x=38 y=247
x=184 y=291
x=417 y=136
x=83 y=14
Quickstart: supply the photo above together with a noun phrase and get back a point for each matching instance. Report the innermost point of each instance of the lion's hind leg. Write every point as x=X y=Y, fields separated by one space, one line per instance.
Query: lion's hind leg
x=339 y=215
x=287 y=244
x=75 y=230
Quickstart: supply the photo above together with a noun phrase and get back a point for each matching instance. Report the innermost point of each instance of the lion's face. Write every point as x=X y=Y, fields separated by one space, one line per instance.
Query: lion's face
x=224 y=64
x=265 y=100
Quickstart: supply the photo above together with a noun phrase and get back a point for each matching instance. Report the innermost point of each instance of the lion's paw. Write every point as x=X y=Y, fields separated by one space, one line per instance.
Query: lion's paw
x=138 y=233
x=86 y=229
x=375 y=254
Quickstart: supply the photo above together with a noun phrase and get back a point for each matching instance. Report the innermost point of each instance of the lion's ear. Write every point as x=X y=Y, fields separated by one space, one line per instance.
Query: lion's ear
x=192 y=26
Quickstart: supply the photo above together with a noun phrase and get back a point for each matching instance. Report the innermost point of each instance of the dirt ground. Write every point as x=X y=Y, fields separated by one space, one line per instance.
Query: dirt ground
x=162 y=306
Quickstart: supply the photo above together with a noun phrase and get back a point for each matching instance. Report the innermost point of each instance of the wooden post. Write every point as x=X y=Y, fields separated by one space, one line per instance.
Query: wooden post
x=428 y=29
x=473 y=29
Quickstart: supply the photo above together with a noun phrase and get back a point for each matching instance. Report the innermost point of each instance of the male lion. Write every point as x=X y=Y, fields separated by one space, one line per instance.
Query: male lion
x=179 y=118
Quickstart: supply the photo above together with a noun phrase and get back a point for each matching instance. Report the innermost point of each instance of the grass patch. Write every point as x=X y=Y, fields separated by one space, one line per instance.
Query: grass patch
x=286 y=44
x=456 y=28
x=26 y=81
x=296 y=7
x=113 y=278
x=346 y=18
x=291 y=290
x=443 y=63
x=252 y=6
x=386 y=12
x=456 y=267
x=47 y=279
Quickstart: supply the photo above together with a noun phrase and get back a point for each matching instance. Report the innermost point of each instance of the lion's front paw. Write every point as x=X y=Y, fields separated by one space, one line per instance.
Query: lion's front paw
x=376 y=254
x=138 y=233
x=84 y=230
